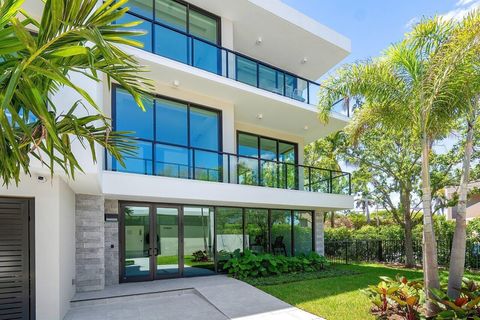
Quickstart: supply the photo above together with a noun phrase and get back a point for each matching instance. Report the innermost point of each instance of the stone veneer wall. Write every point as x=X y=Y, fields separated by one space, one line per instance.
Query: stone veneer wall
x=111 y=245
x=319 y=234
x=89 y=236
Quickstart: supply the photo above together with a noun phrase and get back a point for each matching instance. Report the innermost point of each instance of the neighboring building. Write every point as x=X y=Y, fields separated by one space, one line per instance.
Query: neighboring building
x=473 y=202
x=219 y=165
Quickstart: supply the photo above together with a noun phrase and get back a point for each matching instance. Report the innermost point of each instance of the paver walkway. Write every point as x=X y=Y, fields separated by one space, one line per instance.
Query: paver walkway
x=209 y=298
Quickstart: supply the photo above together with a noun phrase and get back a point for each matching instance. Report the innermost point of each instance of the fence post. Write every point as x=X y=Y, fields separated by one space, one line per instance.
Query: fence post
x=346 y=252
x=380 y=251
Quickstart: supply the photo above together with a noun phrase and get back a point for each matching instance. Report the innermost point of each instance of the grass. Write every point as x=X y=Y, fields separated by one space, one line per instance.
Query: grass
x=339 y=297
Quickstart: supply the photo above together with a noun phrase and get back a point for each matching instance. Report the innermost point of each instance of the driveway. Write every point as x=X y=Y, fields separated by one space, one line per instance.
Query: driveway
x=209 y=298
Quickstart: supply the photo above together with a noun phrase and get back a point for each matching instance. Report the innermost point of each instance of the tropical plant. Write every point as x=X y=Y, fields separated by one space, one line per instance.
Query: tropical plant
x=251 y=265
x=38 y=58
x=409 y=89
x=397 y=296
x=465 y=306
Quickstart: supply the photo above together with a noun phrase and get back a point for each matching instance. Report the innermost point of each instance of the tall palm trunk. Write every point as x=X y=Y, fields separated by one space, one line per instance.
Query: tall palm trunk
x=407 y=224
x=457 y=259
x=430 y=263
x=332 y=219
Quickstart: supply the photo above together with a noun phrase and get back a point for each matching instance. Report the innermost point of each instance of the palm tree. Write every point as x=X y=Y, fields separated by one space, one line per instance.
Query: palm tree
x=72 y=37
x=364 y=201
x=407 y=89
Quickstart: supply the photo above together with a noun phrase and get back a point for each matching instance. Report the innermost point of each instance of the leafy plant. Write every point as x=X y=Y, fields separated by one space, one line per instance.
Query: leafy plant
x=397 y=296
x=200 y=256
x=466 y=306
x=251 y=265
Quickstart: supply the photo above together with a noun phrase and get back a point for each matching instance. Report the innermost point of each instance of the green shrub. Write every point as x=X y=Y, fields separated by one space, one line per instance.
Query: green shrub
x=467 y=306
x=251 y=265
x=340 y=233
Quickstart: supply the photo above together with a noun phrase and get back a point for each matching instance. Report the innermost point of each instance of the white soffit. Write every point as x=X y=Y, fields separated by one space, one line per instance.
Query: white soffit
x=288 y=36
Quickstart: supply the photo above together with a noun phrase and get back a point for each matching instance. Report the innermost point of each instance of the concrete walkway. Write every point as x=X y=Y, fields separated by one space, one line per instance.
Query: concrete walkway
x=212 y=298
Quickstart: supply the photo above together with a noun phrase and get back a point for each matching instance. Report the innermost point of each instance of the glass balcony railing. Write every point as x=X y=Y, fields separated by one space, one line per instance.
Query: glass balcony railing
x=177 y=45
x=208 y=165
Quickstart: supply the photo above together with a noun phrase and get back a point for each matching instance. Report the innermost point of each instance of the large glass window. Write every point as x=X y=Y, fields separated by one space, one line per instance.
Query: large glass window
x=171 y=13
x=229 y=232
x=198 y=232
x=302 y=231
x=168 y=131
x=265 y=168
x=203 y=26
x=256 y=230
x=145 y=26
x=281 y=232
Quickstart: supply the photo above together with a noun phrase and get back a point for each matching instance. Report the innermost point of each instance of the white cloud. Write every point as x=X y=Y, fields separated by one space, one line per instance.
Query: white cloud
x=463 y=7
x=410 y=23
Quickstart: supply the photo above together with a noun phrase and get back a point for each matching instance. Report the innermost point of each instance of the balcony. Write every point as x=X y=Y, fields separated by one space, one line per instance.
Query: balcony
x=174 y=44
x=214 y=166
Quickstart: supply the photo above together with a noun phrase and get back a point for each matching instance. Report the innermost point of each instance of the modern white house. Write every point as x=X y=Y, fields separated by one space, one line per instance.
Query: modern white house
x=219 y=166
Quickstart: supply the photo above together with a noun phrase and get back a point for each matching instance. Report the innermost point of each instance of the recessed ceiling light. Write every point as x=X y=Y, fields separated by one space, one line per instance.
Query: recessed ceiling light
x=305 y=128
x=259 y=41
x=176 y=83
x=304 y=60
x=259 y=116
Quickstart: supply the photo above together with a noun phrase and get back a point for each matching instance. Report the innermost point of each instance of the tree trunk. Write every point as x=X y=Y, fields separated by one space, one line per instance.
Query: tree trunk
x=457 y=259
x=430 y=263
x=407 y=225
x=367 y=211
x=409 y=260
x=332 y=219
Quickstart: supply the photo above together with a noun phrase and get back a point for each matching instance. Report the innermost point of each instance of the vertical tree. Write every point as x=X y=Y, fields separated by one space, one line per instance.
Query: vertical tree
x=404 y=90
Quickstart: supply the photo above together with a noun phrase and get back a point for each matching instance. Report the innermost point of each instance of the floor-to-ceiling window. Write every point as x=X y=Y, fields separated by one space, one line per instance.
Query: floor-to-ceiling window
x=198 y=242
x=281 y=232
x=302 y=231
x=266 y=161
x=229 y=232
x=169 y=23
x=256 y=230
x=175 y=139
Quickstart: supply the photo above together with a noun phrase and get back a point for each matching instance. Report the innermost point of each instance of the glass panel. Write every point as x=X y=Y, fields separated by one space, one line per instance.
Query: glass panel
x=139 y=162
x=229 y=228
x=247 y=71
x=295 y=88
x=145 y=26
x=206 y=56
x=247 y=169
x=137 y=242
x=171 y=122
x=171 y=161
x=198 y=241
x=208 y=165
x=256 y=230
x=313 y=93
x=270 y=175
x=320 y=180
x=129 y=116
x=288 y=173
x=167 y=242
x=268 y=149
x=302 y=232
x=204 y=129
x=281 y=232
x=171 y=13
x=203 y=26
x=141 y=7
x=171 y=44
x=270 y=79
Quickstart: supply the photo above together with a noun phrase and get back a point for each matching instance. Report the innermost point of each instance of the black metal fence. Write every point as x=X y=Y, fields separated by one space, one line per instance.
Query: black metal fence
x=393 y=251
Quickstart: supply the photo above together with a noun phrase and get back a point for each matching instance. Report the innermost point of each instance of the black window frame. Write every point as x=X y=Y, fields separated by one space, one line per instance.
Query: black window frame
x=189 y=7
x=154 y=141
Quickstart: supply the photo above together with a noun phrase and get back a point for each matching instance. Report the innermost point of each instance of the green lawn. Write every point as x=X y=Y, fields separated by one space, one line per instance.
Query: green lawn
x=339 y=297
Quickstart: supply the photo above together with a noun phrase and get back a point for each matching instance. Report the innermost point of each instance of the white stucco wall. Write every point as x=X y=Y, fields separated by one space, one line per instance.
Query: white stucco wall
x=54 y=237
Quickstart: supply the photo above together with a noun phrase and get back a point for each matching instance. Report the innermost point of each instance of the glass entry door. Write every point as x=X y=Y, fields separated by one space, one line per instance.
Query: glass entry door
x=150 y=238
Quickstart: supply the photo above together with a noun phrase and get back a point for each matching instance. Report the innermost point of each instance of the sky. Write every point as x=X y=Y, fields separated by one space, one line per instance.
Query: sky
x=372 y=25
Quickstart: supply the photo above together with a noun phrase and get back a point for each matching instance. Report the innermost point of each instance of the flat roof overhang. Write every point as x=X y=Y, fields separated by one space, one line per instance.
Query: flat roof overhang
x=136 y=187
x=288 y=36
x=279 y=113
